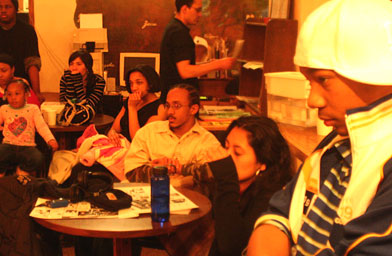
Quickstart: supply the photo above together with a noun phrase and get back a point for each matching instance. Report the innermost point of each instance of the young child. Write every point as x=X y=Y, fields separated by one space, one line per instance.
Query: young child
x=20 y=121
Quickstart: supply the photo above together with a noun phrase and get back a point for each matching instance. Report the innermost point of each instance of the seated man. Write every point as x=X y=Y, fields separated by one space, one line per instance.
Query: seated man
x=340 y=202
x=179 y=142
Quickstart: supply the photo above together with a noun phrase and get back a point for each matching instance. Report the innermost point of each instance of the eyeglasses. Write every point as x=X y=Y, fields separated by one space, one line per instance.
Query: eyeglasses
x=175 y=106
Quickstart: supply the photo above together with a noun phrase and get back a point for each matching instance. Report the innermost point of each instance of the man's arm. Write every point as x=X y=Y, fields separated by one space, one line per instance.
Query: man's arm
x=140 y=174
x=187 y=70
x=33 y=73
x=32 y=61
x=268 y=240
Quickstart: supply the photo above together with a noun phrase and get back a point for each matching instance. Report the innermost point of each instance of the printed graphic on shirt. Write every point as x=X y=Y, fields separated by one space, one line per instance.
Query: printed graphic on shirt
x=18 y=126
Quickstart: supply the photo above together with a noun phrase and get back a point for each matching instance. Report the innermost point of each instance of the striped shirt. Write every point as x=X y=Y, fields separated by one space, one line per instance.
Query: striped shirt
x=71 y=87
x=320 y=218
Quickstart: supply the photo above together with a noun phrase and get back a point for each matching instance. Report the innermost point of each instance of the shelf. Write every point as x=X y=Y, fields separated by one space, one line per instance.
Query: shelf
x=253 y=23
x=273 y=45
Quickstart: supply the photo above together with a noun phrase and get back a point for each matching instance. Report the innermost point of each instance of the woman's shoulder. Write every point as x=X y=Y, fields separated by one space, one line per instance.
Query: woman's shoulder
x=154 y=103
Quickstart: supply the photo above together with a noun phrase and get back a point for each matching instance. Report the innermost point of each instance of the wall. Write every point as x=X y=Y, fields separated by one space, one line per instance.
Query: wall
x=55 y=27
x=302 y=8
x=124 y=19
x=56 y=22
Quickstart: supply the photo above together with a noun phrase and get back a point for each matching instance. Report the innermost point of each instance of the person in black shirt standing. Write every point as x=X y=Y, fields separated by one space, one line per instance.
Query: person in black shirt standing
x=177 y=54
x=19 y=40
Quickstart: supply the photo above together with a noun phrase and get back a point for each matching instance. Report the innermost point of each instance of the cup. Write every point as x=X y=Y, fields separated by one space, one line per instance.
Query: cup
x=322 y=129
x=51 y=116
x=90 y=46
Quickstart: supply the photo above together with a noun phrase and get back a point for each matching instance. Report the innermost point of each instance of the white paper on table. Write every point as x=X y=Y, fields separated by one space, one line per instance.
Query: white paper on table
x=253 y=65
x=128 y=213
x=141 y=200
x=71 y=211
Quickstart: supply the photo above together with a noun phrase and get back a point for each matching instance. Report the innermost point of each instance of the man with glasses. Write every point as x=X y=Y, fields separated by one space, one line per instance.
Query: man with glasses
x=179 y=143
x=177 y=54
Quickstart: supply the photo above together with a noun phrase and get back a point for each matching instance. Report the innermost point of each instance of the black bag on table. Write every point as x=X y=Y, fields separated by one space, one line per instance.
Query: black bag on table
x=97 y=188
x=76 y=113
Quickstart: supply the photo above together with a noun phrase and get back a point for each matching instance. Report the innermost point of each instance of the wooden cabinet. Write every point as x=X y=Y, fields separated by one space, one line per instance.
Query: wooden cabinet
x=215 y=87
x=270 y=46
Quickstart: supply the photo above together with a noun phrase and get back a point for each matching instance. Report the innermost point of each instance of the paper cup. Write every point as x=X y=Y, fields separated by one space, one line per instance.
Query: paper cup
x=322 y=129
x=51 y=116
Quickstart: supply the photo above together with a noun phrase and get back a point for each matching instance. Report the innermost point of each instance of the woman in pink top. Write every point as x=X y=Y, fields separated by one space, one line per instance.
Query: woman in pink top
x=7 y=68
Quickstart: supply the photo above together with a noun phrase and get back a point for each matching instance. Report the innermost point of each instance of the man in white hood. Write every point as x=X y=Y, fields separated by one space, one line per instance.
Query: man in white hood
x=340 y=201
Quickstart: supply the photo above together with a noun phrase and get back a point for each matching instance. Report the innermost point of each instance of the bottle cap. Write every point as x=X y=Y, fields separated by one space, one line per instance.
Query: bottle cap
x=159 y=170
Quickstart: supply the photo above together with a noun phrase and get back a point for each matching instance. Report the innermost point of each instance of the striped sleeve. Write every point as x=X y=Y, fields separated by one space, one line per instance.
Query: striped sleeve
x=63 y=89
x=370 y=233
x=71 y=86
x=97 y=94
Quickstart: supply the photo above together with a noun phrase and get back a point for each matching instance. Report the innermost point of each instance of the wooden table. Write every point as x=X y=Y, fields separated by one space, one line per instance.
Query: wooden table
x=120 y=230
x=67 y=135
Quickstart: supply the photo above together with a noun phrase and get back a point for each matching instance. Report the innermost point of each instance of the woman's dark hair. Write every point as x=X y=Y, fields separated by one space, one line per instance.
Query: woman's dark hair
x=193 y=95
x=88 y=62
x=270 y=149
x=153 y=80
x=7 y=59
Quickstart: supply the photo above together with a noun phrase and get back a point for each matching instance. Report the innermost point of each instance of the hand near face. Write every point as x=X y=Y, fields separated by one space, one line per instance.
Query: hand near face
x=53 y=144
x=114 y=137
x=173 y=165
x=134 y=99
x=69 y=72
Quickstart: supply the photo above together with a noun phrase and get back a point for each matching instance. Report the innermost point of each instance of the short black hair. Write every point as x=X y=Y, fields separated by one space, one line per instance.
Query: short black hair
x=193 y=95
x=152 y=77
x=16 y=4
x=7 y=59
x=180 y=3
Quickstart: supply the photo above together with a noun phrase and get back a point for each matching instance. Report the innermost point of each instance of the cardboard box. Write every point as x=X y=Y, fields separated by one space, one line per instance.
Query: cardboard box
x=287 y=94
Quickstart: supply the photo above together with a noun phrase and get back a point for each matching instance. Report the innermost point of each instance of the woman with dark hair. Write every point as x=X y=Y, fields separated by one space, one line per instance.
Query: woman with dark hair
x=80 y=83
x=259 y=164
x=7 y=69
x=141 y=107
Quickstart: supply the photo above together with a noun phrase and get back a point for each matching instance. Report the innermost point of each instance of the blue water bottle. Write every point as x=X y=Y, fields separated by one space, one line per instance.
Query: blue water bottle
x=160 y=194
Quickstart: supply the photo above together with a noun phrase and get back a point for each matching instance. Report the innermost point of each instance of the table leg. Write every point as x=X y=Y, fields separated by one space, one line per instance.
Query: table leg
x=61 y=139
x=122 y=246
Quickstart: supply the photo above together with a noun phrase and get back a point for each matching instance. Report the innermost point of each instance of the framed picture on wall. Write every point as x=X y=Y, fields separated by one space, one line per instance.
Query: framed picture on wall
x=129 y=60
